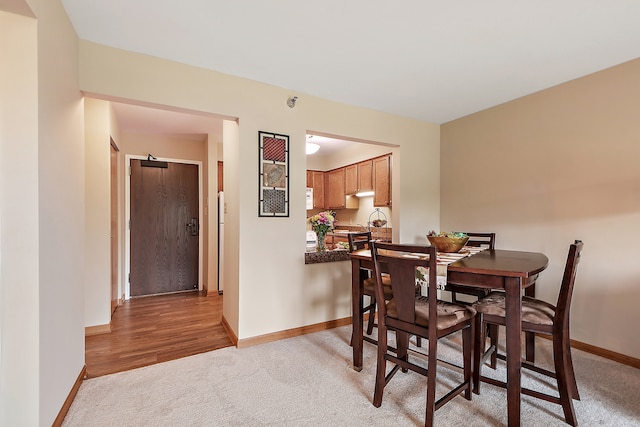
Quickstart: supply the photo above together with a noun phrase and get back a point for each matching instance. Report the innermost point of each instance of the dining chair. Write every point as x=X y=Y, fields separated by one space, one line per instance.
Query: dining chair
x=424 y=316
x=538 y=317
x=475 y=240
x=357 y=241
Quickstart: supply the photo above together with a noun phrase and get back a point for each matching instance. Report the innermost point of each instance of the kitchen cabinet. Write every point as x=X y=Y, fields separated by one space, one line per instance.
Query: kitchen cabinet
x=365 y=183
x=382 y=181
x=335 y=189
x=335 y=195
x=315 y=180
x=351 y=179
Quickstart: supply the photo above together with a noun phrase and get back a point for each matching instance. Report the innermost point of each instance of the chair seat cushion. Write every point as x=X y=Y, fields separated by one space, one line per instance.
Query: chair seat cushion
x=449 y=314
x=533 y=310
x=369 y=286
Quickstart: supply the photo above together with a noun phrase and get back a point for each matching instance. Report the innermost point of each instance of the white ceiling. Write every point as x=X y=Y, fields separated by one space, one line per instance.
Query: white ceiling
x=430 y=60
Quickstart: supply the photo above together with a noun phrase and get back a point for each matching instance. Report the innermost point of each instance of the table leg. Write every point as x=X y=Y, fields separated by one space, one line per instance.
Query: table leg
x=356 y=318
x=513 y=322
x=530 y=337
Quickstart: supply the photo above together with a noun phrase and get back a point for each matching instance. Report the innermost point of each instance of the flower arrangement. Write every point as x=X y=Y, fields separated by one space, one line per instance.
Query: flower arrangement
x=323 y=222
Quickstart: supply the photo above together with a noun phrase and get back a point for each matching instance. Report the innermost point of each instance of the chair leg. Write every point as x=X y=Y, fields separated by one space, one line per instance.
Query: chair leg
x=478 y=351
x=381 y=367
x=467 y=350
x=431 y=383
x=563 y=372
x=493 y=338
x=571 y=375
x=372 y=315
x=402 y=339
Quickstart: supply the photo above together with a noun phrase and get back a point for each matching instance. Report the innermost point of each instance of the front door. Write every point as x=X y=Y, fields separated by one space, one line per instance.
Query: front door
x=164 y=227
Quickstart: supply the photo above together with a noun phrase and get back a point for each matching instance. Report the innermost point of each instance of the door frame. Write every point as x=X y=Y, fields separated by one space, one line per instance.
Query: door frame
x=114 y=193
x=127 y=215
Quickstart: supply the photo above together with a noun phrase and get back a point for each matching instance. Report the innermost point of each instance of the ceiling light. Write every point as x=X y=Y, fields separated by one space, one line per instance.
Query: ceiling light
x=311 y=147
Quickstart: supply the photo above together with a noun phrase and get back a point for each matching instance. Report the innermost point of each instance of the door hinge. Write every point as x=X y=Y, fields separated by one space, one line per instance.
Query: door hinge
x=129 y=278
x=129 y=225
x=129 y=170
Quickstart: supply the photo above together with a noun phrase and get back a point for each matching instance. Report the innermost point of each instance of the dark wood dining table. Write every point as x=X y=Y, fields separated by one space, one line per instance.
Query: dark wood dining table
x=513 y=271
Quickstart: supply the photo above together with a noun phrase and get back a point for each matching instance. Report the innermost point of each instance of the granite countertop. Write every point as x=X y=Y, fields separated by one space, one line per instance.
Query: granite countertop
x=343 y=254
x=327 y=256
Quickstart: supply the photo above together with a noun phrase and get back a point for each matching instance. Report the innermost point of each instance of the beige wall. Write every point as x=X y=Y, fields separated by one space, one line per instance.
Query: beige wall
x=42 y=334
x=555 y=166
x=19 y=274
x=97 y=131
x=61 y=207
x=269 y=269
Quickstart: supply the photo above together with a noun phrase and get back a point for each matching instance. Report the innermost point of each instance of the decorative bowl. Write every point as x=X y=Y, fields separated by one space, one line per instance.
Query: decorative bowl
x=448 y=244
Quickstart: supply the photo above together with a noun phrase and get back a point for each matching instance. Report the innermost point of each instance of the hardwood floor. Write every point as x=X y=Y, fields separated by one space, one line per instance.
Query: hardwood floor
x=155 y=329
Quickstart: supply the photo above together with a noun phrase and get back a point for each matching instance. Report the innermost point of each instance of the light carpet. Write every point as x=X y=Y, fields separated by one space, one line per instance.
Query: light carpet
x=309 y=381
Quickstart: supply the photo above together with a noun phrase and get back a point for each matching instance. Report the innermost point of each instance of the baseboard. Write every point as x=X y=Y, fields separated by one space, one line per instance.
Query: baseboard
x=72 y=395
x=97 y=330
x=602 y=352
x=607 y=354
x=289 y=333
x=227 y=328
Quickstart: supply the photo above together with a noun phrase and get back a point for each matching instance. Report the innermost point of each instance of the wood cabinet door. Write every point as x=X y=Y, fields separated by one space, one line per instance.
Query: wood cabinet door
x=334 y=194
x=351 y=179
x=365 y=183
x=382 y=181
x=318 y=189
x=309 y=179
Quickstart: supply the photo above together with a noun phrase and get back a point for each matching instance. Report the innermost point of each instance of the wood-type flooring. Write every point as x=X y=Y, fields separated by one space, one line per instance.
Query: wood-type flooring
x=156 y=329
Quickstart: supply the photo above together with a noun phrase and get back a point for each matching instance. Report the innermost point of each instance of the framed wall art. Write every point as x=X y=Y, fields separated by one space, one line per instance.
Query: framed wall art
x=273 y=158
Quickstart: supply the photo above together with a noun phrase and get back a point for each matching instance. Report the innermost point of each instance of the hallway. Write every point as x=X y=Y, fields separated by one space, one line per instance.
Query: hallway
x=155 y=329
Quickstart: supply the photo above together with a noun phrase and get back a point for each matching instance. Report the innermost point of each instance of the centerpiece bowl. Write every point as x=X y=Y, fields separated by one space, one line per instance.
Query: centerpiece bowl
x=448 y=244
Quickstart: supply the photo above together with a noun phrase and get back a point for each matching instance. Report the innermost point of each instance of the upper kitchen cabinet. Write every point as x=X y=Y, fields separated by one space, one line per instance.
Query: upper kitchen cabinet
x=382 y=181
x=365 y=183
x=335 y=194
x=335 y=191
x=351 y=179
x=315 y=180
x=358 y=177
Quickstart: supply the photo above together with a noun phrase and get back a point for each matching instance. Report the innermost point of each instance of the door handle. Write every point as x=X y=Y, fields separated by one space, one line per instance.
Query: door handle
x=193 y=226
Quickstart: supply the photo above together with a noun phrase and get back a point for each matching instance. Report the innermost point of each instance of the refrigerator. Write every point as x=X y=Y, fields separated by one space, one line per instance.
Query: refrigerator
x=220 y=242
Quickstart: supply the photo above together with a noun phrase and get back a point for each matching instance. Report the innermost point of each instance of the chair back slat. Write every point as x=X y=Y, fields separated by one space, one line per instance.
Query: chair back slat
x=481 y=239
x=397 y=261
x=566 y=289
x=359 y=240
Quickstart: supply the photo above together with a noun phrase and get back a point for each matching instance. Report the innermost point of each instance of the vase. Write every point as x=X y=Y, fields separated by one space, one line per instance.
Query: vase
x=320 y=245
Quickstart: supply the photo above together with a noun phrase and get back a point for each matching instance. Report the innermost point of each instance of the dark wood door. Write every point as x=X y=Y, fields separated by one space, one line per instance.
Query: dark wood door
x=164 y=228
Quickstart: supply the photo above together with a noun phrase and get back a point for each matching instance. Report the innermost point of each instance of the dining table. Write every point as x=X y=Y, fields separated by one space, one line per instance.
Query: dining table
x=515 y=272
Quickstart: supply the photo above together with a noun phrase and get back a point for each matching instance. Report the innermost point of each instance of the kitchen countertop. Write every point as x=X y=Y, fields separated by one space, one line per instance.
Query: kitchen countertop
x=336 y=255
x=327 y=256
